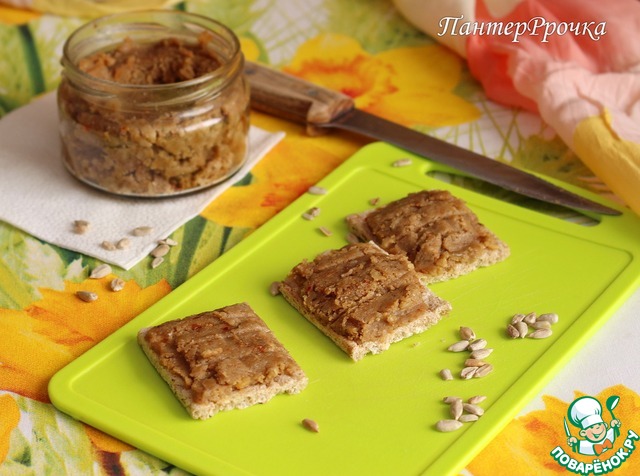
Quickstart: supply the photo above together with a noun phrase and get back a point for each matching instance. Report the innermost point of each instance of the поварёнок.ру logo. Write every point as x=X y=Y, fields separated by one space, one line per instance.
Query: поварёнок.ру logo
x=594 y=438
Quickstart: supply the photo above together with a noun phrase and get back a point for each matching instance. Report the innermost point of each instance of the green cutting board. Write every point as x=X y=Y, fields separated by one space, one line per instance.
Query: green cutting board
x=376 y=416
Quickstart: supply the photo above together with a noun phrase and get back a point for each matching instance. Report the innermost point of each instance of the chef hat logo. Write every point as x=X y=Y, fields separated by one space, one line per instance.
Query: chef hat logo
x=585 y=412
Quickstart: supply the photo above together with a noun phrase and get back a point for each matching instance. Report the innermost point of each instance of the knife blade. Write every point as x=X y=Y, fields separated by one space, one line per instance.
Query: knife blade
x=319 y=108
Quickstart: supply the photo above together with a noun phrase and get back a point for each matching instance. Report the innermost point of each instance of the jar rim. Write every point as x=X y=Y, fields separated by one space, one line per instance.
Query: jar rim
x=179 y=18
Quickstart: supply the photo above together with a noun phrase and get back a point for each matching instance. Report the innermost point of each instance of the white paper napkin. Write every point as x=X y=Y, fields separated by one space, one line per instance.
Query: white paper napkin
x=39 y=196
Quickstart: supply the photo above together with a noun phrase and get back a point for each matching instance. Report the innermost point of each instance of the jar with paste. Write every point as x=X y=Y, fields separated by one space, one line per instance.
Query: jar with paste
x=153 y=103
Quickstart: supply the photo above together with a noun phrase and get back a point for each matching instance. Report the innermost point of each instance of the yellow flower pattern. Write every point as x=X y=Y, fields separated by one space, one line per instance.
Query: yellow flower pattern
x=51 y=332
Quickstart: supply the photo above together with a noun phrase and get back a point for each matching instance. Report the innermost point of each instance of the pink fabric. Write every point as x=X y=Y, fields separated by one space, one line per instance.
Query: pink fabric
x=494 y=60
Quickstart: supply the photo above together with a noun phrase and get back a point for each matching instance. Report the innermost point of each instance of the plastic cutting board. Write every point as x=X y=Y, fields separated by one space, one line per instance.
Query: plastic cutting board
x=376 y=416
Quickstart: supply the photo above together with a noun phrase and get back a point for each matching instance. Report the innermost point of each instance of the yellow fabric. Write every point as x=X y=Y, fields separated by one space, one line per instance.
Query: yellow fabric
x=615 y=160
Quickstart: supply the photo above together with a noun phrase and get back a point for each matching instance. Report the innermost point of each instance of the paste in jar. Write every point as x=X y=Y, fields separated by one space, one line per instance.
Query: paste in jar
x=148 y=141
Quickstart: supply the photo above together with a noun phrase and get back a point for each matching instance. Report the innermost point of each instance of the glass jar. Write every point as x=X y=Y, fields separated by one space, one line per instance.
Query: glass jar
x=153 y=103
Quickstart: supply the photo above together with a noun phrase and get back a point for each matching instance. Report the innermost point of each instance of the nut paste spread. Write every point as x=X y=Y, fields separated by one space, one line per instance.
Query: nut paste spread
x=359 y=291
x=434 y=229
x=141 y=140
x=218 y=352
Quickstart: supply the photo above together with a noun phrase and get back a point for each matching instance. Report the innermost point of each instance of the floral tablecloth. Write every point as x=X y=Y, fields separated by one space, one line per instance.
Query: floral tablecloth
x=364 y=48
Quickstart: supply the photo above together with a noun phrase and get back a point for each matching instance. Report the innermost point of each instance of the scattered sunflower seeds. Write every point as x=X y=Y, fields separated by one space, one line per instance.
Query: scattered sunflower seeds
x=117 y=284
x=311 y=213
x=274 y=288
x=477 y=399
x=466 y=333
x=157 y=262
x=455 y=409
x=448 y=425
x=168 y=242
x=512 y=331
x=100 y=271
x=541 y=325
x=483 y=371
x=160 y=251
x=402 y=163
x=468 y=417
x=310 y=425
x=481 y=353
x=450 y=399
x=478 y=344
x=80 y=227
x=325 y=231
x=317 y=190
x=87 y=296
x=473 y=409
x=468 y=372
x=123 y=243
x=107 y=245
x=474 y=363
x=541 y=334
x=446 y=374
x=550 y=317
x=522 y=328
x=142 y=231
x=459 y=346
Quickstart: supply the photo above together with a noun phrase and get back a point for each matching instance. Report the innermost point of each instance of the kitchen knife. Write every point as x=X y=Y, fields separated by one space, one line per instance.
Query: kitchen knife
x=319 y=108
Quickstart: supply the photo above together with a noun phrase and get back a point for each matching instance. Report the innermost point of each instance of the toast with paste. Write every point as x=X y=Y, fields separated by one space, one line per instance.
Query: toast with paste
x=436 y=231
x=221 y=360
x=362 y=298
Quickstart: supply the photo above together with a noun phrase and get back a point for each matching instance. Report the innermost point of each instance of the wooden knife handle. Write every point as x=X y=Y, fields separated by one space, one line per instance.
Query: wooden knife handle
x=294 y=99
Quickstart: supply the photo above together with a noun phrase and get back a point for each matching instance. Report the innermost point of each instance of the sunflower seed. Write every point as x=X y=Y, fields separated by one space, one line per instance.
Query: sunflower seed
x=325 y=231
x=473 y=409
x=311 y=213
x=530 y=318
x=117 y=284
x=550 y=317
x=160 y=250
x=477 y=399
x=80 y=227
x=459 y=346
x=468 y=417
x=541 y=325
x=157 y=262
x=468 y=372
x=474 y=363
x=517 y=318
x=100 y=271
x=87 y=296
x=317 y=190
x=483 y=371
x=107 y=245
x=310 y=425
x=541 y=333
x=123 y=243
x=274 y=288
x=446 y=374
x=512 y=331
x=481 y=353
x=478 y=344
x=374 y=201
x=522 y=328
x=451 y=399
x=168 y=242
x=448 y=425
x=142 y=231
x=402 y=162
x=455 y=409
x=467 y=333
